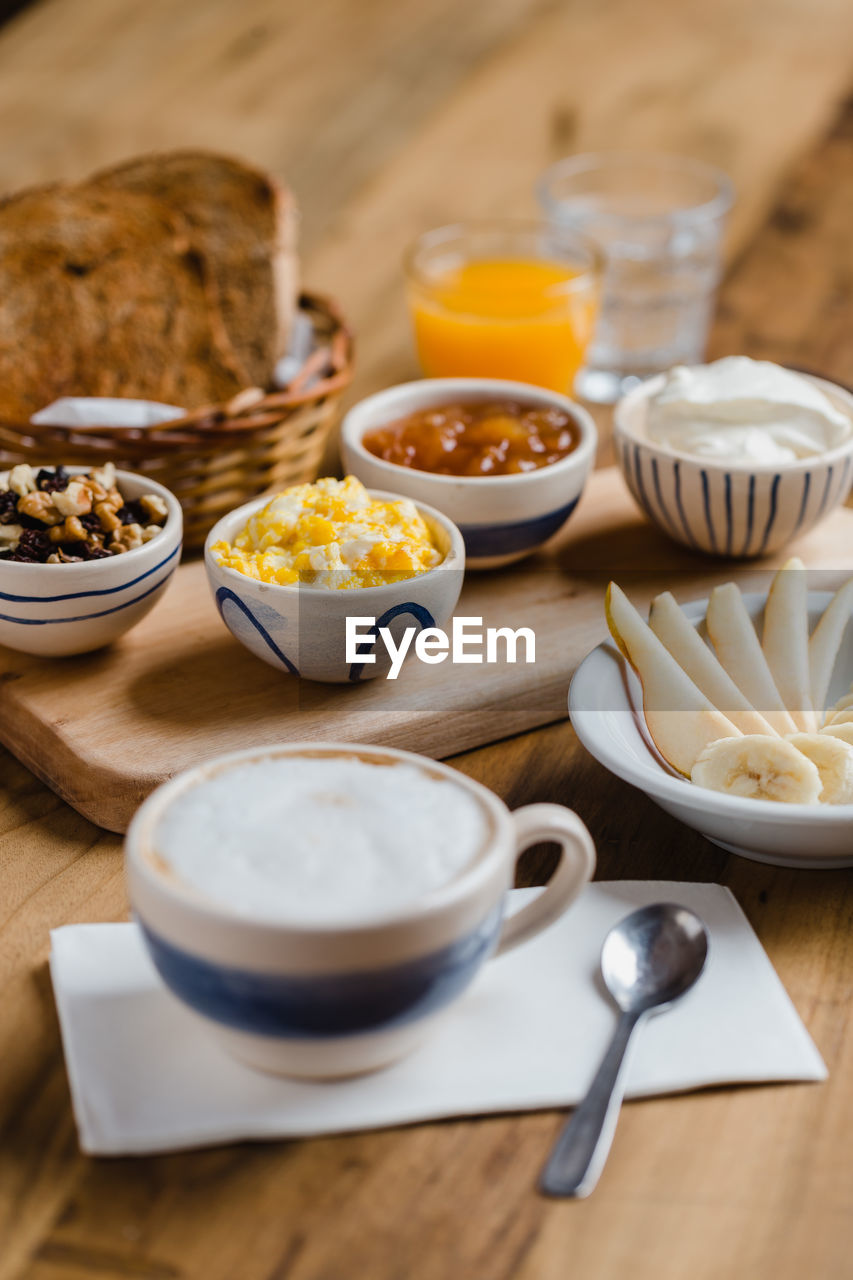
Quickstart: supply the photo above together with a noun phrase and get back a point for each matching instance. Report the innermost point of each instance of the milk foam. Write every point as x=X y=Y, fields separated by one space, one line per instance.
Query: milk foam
x=323 y=839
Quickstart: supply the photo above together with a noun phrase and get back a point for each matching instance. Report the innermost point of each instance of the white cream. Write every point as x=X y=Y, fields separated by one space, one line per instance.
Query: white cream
x=743 y=411
x=319 y=839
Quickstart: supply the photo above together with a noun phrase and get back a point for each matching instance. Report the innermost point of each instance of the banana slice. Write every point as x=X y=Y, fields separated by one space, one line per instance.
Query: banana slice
x=842 y=731
x=833 y=758
x=760 y=768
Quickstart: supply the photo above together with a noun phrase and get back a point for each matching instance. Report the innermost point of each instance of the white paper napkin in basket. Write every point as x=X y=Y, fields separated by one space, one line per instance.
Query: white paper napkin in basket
x=146 y=1076
x=85 y=412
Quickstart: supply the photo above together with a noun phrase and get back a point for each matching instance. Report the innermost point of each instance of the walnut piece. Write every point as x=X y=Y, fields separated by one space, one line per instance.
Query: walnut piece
x=59 y=557
x=129 y=536
x=107 y=516
x=97 y=491
x=104 y=476
x=40 y=506
x=71 y=530
x=76 y=500
x=155 y=507
x=22 y=479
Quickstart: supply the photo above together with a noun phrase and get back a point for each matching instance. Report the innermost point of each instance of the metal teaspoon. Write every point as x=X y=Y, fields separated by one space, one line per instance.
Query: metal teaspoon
x=648 y=961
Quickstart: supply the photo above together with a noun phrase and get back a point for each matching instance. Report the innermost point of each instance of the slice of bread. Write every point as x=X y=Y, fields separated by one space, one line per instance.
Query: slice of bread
x=102 y=293
x=245 y=224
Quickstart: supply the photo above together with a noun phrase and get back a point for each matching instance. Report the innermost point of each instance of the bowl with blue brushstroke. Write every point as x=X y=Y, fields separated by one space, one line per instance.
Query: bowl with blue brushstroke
x=502 y=518
x=55 y=610
x=740 y=511
x=301 y=629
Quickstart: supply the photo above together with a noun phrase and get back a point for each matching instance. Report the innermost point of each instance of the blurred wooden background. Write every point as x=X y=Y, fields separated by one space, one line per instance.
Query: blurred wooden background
x=387 y=117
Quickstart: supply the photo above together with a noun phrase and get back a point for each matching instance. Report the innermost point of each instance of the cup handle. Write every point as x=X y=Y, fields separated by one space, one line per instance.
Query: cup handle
x=537 y=822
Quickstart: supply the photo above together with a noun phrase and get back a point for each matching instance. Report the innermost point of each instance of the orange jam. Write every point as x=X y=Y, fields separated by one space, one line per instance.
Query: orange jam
x=479 y=438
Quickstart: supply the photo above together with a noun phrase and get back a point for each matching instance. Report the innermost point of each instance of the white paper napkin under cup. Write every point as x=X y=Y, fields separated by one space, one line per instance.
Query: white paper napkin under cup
x=146 y=1076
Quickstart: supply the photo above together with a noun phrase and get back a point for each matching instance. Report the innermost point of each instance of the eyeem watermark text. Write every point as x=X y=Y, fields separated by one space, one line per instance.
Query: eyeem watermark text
x=468 y=642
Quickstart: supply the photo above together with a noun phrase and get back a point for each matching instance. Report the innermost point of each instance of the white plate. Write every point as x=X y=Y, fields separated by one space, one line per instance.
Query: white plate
x=605 y=704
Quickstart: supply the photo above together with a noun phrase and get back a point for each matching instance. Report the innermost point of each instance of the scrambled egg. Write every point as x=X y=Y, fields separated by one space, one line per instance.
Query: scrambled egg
x=332 y=534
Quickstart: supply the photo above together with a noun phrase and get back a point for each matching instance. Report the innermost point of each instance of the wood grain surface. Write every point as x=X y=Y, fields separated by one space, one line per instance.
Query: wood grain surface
x=181 y=689
x=389 y=117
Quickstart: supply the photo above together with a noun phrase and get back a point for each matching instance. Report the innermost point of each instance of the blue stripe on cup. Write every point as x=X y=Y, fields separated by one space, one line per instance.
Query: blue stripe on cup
x=509 y=537
x=328 y=1005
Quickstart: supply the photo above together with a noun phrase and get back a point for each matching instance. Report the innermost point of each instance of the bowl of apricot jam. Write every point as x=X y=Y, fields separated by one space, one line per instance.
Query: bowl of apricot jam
x=506 y=461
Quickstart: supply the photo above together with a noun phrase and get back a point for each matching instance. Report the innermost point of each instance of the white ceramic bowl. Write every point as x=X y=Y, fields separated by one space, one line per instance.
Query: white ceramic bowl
x=605 y=705
x=302 y=629
x=501 y=518
x=723 y=509
x=327 y=1000
x=59 y=609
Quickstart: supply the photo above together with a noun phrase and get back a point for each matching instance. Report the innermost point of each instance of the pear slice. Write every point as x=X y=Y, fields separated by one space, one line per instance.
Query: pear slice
x=681 y=720
x=673 y=628
x=786 y=641
x=733 y=636
x=825 y=643
x=843 y=704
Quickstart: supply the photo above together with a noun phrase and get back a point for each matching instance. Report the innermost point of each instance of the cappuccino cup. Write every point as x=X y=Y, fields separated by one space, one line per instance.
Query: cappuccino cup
x=321 y=906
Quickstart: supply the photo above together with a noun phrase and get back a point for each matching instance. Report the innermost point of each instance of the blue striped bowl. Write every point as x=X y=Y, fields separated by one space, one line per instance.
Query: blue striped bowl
x=54 y=610
x=724 y=510
x=501 y=518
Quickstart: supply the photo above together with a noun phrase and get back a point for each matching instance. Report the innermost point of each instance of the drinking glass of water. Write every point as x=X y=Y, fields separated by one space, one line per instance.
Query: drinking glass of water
x=659 y=220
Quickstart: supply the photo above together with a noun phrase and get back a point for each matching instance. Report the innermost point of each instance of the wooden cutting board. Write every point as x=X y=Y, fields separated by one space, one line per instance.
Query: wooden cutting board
x=104 y=729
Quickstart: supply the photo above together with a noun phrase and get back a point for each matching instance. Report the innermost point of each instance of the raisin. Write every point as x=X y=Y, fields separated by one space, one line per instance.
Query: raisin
x=90 y=522
x=8 y=507
x=33 y=545
x=29 y=522
x=133 y=512
x=87 y=552
x=52 y=479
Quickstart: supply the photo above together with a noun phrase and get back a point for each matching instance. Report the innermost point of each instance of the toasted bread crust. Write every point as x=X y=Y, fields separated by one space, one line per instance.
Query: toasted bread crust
x=244 y=222
x=104 y=293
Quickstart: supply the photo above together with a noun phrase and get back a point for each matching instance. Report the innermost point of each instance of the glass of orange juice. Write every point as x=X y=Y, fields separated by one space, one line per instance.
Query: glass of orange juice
x=501 y=299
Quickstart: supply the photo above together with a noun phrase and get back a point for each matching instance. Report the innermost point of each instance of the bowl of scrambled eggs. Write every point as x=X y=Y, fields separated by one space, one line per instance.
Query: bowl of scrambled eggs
x=324 y=580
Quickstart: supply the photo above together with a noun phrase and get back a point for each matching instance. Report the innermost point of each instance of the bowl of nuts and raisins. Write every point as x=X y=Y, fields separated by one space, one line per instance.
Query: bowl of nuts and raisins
x=84 y=555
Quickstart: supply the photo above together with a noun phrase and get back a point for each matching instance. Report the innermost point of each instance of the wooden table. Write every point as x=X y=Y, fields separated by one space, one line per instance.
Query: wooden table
x=389 y=116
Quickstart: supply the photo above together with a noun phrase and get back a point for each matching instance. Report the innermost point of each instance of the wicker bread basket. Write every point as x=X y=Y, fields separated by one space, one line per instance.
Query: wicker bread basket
x=219 y=456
